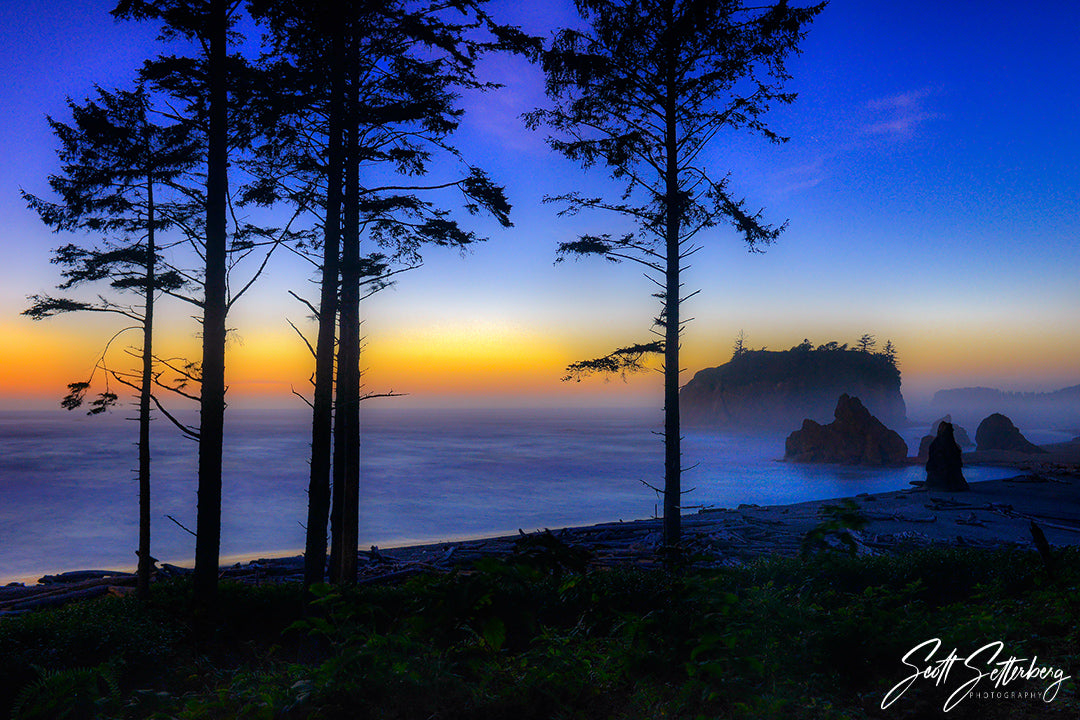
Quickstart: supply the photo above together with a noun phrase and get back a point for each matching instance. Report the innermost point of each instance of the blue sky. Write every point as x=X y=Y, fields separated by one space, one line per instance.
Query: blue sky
x=931 y=185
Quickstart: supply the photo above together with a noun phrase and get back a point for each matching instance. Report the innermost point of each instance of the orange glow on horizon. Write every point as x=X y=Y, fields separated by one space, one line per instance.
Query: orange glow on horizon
x=40 y=360
x=269 y=364
x=468 y=357
x=485 y=360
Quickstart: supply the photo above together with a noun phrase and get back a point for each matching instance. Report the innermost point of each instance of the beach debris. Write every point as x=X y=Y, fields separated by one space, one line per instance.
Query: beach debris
x=36 y=597
x=761 y=520
x=1055 y=526
x=898 y=517
x=968 y=542
x=1030 y=478
x=970 y=520
x=76 y=576
x=901 y=539
x=940 y=503
x=168 y=570
x=727 y=536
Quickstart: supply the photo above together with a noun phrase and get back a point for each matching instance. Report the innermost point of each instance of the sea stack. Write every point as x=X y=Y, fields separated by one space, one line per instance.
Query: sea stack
x=944 y=465
x=854 y=437
x=997 y=432
x=959 y=434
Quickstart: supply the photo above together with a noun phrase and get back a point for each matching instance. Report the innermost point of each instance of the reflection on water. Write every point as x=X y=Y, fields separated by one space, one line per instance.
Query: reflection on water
x=68 y=494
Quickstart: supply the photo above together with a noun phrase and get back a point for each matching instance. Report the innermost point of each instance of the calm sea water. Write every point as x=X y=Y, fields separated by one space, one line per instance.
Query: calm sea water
x=68 y=491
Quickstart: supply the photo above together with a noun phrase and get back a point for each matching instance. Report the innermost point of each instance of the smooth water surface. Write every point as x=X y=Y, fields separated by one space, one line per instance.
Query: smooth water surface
x=69 y=496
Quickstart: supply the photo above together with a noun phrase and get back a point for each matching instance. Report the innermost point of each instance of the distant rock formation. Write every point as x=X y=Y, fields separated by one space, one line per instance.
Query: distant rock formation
x=764 y=389
x=1059 y=408
x=960 y=434
x=854 y=437
x=997 y=432
x=944 y=464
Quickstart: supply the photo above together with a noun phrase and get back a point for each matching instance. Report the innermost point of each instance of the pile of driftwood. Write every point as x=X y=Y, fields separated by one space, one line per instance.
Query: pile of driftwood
x=55 y=590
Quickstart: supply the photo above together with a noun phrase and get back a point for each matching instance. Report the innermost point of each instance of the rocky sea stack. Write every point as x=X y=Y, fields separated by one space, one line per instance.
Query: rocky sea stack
x=854 y=437
x=944 y=464
x=997 y=432
x=765 y=389
x=960 y=435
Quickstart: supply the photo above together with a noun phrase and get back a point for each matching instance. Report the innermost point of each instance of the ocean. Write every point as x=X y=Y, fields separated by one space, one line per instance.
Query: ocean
x=69 y=495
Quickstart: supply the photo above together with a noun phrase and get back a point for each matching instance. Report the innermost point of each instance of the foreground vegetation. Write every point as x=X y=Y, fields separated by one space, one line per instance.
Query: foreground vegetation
x=539 y=636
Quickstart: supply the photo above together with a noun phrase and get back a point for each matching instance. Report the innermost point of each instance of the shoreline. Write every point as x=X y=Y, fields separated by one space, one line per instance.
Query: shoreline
x=992 y=514
x=739 y=471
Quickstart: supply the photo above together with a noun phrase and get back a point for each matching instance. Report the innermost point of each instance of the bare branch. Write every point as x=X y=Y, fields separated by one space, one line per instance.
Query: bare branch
x=181 y=526
x=186 y=430
x=310 y=349
x=178 y=390
x=311 y=307
x=391 y=393
x=302 y=397
x=186 y=371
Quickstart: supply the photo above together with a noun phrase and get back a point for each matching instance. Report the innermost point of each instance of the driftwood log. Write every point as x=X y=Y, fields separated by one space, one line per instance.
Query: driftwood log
x=19 y=599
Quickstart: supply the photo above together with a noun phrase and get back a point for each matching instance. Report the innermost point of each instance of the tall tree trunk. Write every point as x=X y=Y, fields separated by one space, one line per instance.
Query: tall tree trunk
x=672 y=430
x=323 y=401
x=212 y=405
x=145 y=563
x=347 y=420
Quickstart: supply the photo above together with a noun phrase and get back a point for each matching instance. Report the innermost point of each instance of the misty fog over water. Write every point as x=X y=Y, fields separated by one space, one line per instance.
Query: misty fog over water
x=68 y=492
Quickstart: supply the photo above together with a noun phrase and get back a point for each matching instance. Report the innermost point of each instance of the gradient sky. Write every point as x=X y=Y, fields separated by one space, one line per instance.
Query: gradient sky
x=931 y=184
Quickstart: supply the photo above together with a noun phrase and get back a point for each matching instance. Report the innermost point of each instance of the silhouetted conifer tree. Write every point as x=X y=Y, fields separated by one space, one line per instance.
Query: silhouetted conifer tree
x=643 y=90
x=214 y=92
x=302 y=162
x=202 y=81
x=889 y=352
x=740 y=344
x=374 y=94
x=115 y=165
